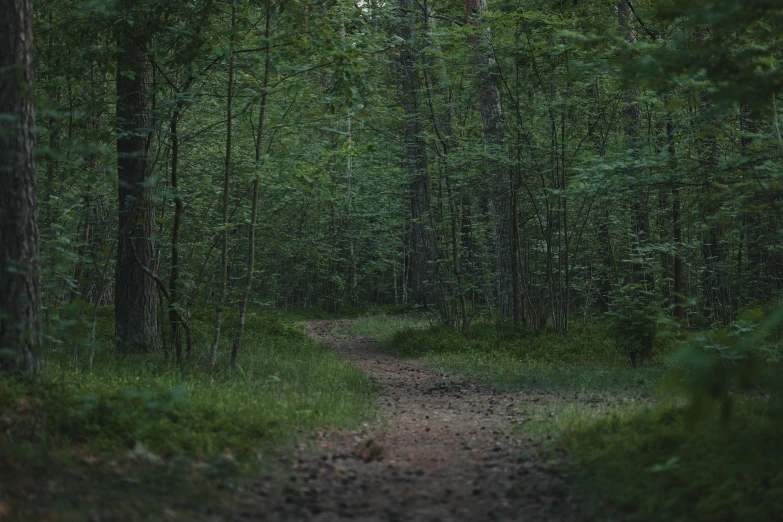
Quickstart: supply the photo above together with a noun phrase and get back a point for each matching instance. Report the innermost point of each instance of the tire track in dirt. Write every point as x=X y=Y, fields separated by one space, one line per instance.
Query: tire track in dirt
x=444 y=450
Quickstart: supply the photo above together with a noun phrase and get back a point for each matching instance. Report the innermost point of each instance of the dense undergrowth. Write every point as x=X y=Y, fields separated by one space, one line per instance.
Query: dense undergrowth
x=665 y=464
x=124 y=415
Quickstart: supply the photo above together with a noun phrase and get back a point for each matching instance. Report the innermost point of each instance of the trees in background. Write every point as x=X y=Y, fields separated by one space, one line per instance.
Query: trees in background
x=545 y=162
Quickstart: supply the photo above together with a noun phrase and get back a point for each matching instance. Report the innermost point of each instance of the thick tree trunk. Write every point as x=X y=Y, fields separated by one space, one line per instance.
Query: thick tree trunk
x=494 y=134
x=136 y=307
x=422 y=240
x=20 y=288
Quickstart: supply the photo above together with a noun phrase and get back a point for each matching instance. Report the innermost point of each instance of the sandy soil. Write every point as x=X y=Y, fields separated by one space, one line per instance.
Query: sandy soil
x=443 y=450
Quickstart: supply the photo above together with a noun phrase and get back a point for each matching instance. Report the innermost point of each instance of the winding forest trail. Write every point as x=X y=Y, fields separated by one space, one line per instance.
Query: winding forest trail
x=444 y=450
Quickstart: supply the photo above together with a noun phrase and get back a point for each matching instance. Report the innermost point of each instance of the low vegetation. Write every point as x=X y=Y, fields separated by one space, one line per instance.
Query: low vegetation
x=676 y=438
x=664 y=464
x=145 y=415
x=509 y=358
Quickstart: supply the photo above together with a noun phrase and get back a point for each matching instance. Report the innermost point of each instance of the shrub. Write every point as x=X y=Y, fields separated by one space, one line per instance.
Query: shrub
x=634 y=322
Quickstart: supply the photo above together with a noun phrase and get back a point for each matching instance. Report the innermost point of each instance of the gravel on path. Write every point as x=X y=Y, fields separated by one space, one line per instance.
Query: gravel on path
x=443 y=450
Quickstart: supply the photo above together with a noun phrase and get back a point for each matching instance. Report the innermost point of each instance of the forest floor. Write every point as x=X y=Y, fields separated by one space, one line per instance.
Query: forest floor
x=442 y=449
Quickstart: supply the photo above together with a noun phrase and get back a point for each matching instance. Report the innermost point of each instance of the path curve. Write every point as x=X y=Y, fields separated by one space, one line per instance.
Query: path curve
x=444 y=450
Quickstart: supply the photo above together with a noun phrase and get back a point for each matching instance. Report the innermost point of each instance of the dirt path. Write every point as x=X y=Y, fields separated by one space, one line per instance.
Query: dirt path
x=445 y=450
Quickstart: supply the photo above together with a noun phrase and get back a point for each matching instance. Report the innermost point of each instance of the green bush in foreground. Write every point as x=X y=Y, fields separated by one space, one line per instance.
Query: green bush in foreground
x=664 y=465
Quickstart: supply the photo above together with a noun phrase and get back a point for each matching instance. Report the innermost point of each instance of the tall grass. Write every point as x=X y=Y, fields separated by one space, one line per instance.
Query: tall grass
x=145 y=438
x=510 y=358
x=284 y=384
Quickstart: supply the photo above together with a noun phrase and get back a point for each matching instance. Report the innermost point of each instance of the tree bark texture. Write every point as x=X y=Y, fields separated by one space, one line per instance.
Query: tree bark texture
x=136 y=307
x=20 y=287
x=422 y=238
x=677 y=300
x=494 y=135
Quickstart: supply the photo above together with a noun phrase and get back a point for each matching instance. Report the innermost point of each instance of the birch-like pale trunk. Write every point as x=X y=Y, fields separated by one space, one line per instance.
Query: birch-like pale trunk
x=494 y=135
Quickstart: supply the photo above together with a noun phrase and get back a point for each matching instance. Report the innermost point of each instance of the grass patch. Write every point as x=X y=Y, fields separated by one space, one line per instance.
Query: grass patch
x=509 y=358
x=384 y=327
x=664 y=465
x=314 y=313
x=138 y=415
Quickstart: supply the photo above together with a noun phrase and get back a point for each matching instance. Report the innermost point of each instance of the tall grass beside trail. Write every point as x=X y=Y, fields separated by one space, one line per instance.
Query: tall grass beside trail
x=509 y=358
x=284 y=383
x=315 y=313
x=155 y=422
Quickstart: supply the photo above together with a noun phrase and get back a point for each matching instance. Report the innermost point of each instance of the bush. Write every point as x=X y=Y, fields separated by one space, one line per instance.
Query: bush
x=634 y=322
x=665 y=465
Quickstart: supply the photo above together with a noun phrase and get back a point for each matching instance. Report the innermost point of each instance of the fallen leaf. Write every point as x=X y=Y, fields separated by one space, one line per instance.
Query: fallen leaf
x=142 y=454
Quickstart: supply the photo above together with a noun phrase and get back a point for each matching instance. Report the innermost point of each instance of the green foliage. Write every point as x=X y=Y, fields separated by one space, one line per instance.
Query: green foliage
x=721 y=449
x=735 y=45
x=659 y=466
x=588 y=344
x=634 y=322
x=285 y=383
x=722 y=366
x=510 y=358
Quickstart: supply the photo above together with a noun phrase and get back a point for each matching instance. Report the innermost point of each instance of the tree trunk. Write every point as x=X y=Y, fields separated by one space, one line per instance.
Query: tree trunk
x=136 y=307
x=226 y=179
x=251 y=247
x=20 y=286
x=176 y=340
x=677 y=290
x=415 y=160
x=494 y=134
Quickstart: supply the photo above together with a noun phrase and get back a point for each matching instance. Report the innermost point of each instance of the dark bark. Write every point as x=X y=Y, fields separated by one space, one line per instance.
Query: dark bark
x=422 y=240
x=135 y=312
x=494 y=135
x=677 y=289
x=176 y=341
x=20 y=287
